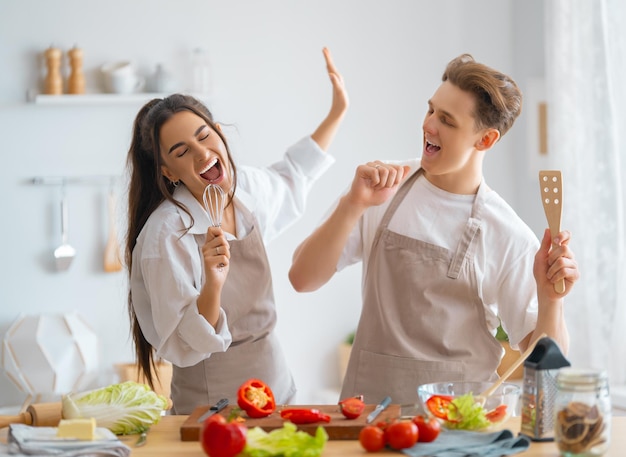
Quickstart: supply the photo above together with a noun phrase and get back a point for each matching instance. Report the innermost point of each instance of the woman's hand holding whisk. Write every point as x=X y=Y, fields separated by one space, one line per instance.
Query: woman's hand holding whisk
x=216 y=253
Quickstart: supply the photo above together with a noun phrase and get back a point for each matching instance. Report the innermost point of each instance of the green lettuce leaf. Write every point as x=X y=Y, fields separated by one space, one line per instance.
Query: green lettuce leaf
x=286 y=441
x=124 y=408
x=465 y=414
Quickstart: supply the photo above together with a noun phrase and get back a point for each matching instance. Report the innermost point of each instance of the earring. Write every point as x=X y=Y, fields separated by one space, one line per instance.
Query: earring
x=174 y=183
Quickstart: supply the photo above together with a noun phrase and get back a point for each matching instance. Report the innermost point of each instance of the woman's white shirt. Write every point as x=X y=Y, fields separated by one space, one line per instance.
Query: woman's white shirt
x=167 y=273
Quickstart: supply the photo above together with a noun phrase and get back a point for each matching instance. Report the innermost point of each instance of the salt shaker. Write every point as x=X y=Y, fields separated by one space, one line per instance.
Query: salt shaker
x=582 y=424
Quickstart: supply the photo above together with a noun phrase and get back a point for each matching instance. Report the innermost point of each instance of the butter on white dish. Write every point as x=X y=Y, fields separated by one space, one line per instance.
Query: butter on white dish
x=80 y=429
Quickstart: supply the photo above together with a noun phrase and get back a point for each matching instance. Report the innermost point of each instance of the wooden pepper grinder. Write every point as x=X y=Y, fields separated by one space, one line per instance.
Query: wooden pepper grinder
x=53 y=84
x=76 y=82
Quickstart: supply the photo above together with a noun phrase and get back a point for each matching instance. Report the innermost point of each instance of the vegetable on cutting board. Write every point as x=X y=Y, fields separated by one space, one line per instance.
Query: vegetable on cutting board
x=304 y=415
x=256 y=398
x=352 y=407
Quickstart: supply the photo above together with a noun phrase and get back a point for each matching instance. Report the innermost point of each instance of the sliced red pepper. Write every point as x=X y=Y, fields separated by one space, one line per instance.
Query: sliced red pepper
x=497 y=414
x=352 y=407
x=304 y=415
x=256 y=398
x=438 y=405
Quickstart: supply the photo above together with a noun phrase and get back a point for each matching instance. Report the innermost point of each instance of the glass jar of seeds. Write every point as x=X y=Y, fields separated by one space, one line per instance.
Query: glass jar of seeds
x=582 y=413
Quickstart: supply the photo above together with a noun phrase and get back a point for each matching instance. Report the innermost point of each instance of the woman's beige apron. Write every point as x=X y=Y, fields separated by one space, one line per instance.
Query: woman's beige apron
x=422 y=319
x=248 y=301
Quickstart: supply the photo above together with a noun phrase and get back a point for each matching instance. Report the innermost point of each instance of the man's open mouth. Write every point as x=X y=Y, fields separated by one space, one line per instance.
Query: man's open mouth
x=432 y=148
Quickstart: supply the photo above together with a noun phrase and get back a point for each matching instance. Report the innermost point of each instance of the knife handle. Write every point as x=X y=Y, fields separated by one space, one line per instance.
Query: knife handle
x=220 y=405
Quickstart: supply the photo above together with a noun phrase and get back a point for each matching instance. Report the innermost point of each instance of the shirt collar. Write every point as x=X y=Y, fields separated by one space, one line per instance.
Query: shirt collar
x=200 y=217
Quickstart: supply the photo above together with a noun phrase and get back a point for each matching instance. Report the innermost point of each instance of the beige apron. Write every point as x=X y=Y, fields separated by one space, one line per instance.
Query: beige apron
x=248 y=301
x=422 y=319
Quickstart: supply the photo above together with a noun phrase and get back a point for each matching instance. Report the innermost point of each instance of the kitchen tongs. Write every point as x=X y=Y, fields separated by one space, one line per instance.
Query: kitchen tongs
x=551 y=184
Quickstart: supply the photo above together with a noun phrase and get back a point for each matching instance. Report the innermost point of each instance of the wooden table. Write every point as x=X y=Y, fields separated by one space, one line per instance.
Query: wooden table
x=164 y=440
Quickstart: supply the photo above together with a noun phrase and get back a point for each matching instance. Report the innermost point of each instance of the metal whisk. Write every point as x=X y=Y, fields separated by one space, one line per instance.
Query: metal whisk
x=214 y=199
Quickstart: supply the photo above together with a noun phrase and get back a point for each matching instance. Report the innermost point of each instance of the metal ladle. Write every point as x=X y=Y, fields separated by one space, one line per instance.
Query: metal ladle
x=64 y=254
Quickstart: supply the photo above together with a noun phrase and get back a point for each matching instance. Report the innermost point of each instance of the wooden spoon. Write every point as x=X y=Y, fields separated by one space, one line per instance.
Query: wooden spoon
x=482 y=398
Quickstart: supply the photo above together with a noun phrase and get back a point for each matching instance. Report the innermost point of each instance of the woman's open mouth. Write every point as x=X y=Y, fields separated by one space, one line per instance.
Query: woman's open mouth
x=212 y=172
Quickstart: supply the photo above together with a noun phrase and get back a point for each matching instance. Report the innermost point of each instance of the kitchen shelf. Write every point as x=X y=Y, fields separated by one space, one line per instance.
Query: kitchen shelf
x=100 y=98
x=97 y=180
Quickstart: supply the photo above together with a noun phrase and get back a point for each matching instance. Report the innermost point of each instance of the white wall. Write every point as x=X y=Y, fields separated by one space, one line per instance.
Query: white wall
x=270 y=83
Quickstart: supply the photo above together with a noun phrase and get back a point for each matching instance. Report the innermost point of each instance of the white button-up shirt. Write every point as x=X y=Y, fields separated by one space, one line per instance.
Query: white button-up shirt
x=167 y=271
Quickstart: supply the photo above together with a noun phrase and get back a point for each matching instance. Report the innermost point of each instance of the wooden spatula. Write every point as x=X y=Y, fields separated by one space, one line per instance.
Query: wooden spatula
x=551 y=184
x=112 y=260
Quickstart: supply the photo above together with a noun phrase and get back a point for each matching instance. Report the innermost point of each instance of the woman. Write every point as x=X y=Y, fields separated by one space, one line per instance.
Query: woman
x=201 y=296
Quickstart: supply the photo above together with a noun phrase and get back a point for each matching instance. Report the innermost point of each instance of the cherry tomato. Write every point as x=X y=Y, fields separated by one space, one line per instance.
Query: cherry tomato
x=401 y=434
x=428 y=429
x=438 y=405
x=222 y=439
x=497 y=414
x=372 y=438
x=383 y=424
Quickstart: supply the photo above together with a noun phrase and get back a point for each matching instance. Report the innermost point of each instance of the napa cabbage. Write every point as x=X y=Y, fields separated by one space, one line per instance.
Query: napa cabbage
x=124 y=408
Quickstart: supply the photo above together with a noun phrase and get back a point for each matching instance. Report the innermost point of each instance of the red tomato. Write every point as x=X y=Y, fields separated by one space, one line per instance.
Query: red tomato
x=222 y=439
x=428 y=429
x=352 y=407
x=496 y=415
x=372 y=438
x=401 y=434
x=438 y=405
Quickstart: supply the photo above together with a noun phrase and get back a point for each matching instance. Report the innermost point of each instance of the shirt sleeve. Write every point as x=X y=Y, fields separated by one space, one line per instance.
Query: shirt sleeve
x=518 y=298
x=167 y=309
x=277 y=194
x=517 y=290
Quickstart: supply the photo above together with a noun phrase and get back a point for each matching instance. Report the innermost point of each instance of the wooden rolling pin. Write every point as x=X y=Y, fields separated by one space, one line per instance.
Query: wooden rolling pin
x=38 y=414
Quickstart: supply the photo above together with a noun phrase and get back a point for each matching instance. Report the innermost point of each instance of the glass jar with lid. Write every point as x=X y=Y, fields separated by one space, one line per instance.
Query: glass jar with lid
x=582 y=412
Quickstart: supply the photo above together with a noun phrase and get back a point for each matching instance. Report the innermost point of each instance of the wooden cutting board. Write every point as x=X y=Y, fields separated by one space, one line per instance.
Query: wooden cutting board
x=339 y=428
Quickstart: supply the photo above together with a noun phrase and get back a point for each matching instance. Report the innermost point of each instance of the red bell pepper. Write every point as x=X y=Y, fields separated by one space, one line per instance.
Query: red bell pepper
x=256 y=398
x=438 y=405
x=304 y=415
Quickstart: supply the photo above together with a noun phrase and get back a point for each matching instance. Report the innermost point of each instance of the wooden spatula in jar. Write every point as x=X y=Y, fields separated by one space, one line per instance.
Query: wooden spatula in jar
x=551 y=184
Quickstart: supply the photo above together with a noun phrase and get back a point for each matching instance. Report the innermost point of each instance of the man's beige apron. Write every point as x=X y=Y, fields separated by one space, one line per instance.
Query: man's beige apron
x=248 y=300
x=422 y=319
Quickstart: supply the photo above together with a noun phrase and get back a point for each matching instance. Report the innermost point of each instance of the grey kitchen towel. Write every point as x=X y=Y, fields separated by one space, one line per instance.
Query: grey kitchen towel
x=42 y=441
x=460 y=443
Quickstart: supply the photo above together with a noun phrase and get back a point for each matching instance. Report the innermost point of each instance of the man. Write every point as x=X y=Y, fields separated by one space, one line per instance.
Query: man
x=445 y=258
